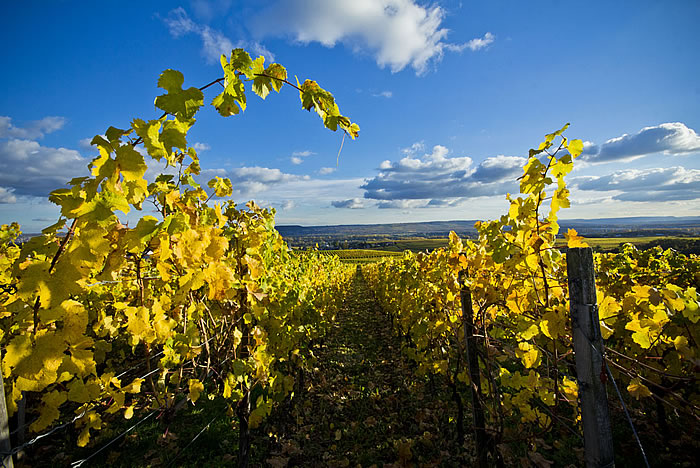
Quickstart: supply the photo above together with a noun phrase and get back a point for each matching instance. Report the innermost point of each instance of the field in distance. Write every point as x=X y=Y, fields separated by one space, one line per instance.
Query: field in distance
x=419 y=244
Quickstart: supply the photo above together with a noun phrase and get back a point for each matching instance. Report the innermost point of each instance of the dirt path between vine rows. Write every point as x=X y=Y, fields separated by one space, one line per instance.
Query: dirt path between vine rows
x=363 y=405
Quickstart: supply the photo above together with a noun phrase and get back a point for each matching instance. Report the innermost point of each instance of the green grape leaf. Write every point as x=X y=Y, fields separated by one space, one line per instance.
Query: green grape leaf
x=222 y=186
x=150 y=134
x=130 y=163
x=183 y=104
x=225 y=104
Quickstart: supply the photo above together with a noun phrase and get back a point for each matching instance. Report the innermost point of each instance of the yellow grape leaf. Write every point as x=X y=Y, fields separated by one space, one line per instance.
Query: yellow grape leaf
x=641 y=292
x=637 y=389
x=221 y=219
x=163 y=326
x=222 y=186
x=38 y=369
x=196 y=388
x=640 y=335
x=608 y=311
x=692 y=308
x=220 y=278
x=78 y=391
x=48 y=411
x=533 y=330
x=681 y=345
x=455 y=242
x=575 y=148
x=642 y=339
x=255 y=268
x=138 y=325
x=532 y=261
x=570 y=389
x=91 y=420
x=134 y=386
x=129 y=412
x=237 y=336
x=553 y=324
x=573 y=240
x=608 y=308
x=528 y=354
x=118 y=397
x=75 y=320
x=672 y=298
x=33 y=279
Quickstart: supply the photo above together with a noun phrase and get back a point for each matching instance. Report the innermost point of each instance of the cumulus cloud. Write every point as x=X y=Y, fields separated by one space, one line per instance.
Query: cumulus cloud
x=352 y=203
x=33 y=130
x=438 y=180
x=251 y=180
x=499 y=168
x=398 y=33
x=28 y=168
x=326 y=170
x=656 y=184
x=214 y=42
x=672 y=138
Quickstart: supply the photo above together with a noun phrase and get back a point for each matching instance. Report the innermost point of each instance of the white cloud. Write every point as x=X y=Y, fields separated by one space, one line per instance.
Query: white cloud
x=481 y=42
x=401 y=204
x=199 y=147
x=326 y=170
x=33 y=130
x=672 y=138
x=284 y=205
x=30 y=169
x=415 y=148
x=352 y=203
x=437 y=180
x=656 y=184
x=298 y=156
x=252 y=180
x=384 y=94
x=214 y=42
x=6 y=195
x=499 y=168
x=84 y=143
x=398 y=33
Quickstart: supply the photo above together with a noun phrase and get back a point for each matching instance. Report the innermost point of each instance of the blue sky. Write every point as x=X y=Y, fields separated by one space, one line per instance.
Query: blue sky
x=449 y=96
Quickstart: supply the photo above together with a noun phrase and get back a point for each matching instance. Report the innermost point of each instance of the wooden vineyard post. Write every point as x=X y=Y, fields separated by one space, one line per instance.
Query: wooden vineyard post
x=478 y=419
x=5 y=445
x=590 y=367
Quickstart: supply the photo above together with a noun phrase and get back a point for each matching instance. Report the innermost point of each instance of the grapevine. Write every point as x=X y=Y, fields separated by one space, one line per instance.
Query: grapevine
x=105 y=319
x=648 y=308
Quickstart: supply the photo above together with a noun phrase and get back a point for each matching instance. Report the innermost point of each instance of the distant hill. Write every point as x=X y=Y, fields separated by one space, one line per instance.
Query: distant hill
x=652 y=225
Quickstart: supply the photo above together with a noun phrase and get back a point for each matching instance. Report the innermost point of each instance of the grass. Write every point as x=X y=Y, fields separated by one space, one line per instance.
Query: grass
x=356 y=256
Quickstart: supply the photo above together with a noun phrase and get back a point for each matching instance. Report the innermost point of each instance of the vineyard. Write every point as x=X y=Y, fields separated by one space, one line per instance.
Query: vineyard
x=468 y=355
